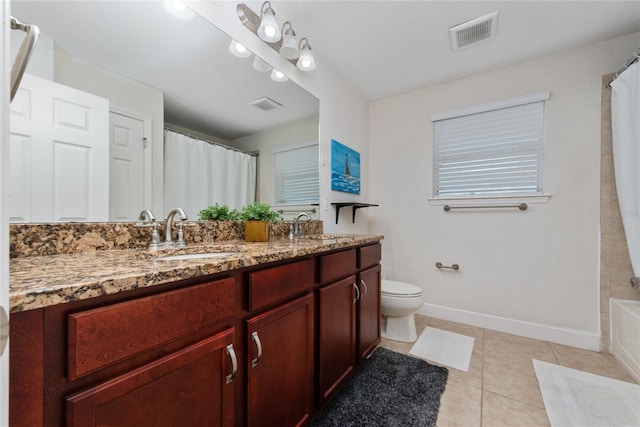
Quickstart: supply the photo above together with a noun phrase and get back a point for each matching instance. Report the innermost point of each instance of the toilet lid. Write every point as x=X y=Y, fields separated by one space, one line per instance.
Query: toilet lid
x=391 y=287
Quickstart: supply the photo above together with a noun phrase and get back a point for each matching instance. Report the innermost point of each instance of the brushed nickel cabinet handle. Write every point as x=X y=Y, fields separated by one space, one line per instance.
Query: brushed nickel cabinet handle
x=256 y=339
x=234 y=363
x=355 y=286
x=366 y=289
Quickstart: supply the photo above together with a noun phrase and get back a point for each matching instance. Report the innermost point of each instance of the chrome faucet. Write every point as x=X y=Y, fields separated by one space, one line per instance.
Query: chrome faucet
x=297 y=227
x=148 y=215
x=155 y=237
x=168 y=241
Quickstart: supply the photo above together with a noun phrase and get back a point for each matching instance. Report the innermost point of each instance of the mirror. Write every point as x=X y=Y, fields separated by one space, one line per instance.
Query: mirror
x=162 y=71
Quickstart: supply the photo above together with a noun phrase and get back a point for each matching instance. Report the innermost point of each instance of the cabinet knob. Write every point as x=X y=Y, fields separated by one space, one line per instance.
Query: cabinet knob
x=355 y=286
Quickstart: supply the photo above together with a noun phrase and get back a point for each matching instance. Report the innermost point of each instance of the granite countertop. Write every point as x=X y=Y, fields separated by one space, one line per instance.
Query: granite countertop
x=41 y=281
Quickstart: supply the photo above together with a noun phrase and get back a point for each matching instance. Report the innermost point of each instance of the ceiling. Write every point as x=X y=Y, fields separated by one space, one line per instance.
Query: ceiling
x=388 y=47
x=382 y=48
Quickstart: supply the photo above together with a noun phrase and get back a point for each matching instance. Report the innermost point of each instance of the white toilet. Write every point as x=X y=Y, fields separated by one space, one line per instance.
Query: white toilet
x=399 y=302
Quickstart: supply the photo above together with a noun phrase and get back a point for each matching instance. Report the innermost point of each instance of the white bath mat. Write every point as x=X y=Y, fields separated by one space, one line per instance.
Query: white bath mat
x=444 y=347
x=577 y=398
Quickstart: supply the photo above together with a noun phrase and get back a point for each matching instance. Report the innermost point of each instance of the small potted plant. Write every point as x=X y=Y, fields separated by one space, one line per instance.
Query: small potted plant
x=257 y=217
x=219 y=213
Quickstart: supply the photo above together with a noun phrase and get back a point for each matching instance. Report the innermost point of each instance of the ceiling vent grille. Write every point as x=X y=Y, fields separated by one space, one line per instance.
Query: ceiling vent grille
x=265 y=104
x=473 y=32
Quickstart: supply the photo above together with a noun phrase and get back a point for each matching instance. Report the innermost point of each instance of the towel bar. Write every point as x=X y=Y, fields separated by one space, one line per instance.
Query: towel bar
x=451 y=267
x=283 y=211
x=22 y=57
x=521 y=206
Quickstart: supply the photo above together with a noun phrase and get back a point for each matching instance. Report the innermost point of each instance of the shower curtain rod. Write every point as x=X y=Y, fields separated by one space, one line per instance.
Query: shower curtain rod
x=629 y=63
x=208 y=141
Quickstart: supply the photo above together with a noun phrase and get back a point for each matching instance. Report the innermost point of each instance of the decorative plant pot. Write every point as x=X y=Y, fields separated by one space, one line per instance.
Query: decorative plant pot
x=256 y=231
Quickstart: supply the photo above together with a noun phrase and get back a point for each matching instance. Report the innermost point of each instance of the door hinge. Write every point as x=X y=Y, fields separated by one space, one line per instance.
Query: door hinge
x=144 y=142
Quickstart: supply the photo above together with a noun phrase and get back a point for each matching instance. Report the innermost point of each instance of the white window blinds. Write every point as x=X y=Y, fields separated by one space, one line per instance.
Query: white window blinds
x=296 y=175
x=493 y=149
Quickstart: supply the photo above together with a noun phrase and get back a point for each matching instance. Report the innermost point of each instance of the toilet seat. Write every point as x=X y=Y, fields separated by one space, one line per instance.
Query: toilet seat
x=395 y=289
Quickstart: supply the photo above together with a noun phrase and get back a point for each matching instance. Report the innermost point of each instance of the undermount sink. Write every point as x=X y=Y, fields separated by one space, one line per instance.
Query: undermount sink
x=327 y=236
x=183 y=257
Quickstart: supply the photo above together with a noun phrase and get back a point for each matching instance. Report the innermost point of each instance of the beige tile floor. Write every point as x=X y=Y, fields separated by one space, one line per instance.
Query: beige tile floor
x=500 y=388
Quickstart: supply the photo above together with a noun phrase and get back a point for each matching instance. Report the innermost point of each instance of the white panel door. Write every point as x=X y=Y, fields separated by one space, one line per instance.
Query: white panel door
x=127 y=172
x=59 y=154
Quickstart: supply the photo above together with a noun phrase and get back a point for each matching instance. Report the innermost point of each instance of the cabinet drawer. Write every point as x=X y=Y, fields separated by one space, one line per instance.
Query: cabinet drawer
x=338 y=265
x=277 y=283
x=369 y=255
x=103 y=336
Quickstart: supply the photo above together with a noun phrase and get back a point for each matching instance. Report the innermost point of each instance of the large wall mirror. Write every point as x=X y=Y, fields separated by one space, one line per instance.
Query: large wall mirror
x=124 y=74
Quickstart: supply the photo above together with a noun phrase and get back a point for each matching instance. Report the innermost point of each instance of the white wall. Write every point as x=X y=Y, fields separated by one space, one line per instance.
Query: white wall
x=41 y=60
x=534 y=273
x=344 y=112
x=299 y=132
x=127 y=95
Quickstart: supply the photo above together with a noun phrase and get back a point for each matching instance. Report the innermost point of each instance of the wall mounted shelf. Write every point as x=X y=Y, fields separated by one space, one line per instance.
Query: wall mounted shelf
x=354 y=206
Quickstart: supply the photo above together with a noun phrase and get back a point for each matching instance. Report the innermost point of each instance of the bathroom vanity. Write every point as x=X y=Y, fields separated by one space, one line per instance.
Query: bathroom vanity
x=263 y=334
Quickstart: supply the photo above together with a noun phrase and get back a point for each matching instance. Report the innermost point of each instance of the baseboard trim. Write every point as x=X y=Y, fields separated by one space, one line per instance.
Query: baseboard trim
x=571 y=337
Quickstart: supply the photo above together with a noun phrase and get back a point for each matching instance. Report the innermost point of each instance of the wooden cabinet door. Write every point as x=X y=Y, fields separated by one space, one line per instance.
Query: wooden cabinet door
x=369 y=283
x=337 y=335
x=280 y=347
x=191 y=387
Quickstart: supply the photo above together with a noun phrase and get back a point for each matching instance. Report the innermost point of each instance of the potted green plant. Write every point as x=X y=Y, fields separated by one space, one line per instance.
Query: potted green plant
x=219 y=213
x=257 y=217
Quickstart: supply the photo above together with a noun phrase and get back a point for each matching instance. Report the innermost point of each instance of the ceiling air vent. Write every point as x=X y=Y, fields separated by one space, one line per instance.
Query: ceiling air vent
x=473 y=32
x=265 y=104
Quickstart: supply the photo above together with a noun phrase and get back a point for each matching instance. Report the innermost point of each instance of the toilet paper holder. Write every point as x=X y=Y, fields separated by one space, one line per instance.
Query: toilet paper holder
x=451 y=267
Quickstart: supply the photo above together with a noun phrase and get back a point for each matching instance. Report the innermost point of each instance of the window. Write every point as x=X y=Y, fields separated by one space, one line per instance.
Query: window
x=492 y=149
x=297 y=175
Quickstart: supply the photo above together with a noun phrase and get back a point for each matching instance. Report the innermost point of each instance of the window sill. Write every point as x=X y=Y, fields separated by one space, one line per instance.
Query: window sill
x=490 y=200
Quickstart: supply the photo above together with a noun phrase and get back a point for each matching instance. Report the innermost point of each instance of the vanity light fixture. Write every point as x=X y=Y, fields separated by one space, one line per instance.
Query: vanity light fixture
x=269 y=30
x=284 y=40
x=278 y=76
x=260 y=65
x=289 y=48
x=305 y=62
x=239 y=50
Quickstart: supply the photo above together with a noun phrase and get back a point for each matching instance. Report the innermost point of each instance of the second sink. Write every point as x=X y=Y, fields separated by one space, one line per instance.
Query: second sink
x=195 y=256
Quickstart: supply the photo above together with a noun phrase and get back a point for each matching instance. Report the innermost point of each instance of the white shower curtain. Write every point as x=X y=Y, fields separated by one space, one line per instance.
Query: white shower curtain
x=198 y=174
x=625 y=123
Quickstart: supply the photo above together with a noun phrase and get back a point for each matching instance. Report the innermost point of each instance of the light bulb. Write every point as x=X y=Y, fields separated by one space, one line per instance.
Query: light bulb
x=278 y=76
x=269 y=29
x=179 y=9
x=239 y=50
x=306 y=62
x=178 y=5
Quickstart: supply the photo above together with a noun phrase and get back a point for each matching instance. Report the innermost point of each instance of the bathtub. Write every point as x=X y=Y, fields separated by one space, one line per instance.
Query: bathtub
x=625 y=334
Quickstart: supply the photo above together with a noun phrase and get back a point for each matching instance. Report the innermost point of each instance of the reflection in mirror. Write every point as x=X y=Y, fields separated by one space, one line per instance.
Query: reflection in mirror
x=107 y=78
